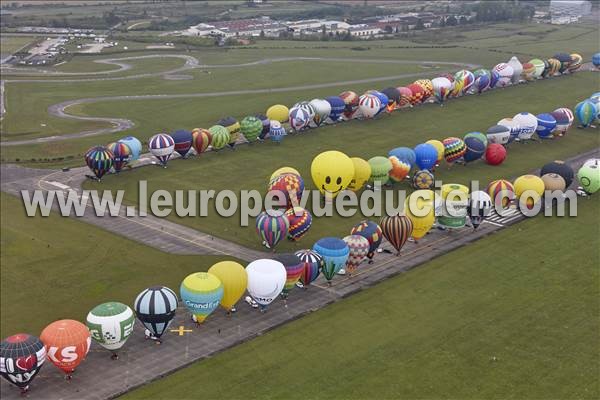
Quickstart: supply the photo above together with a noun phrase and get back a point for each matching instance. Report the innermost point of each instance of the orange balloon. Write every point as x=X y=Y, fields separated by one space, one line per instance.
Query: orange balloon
x=67 y=343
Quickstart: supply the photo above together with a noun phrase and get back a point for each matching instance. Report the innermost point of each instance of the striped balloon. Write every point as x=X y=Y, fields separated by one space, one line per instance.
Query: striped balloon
x=372 y=232
x=271 y=229
x=359 y=248
x=162 y=146
x=502 y=192
x=220 y=136
x=22 y=356
x=299 y=118
x=155 y=307
x=586 y=113
x=276 y=131
x=251 y=128
x=201 y=139
x=300 y=221
x=294 y=268
x=396 y=229
x=312 y=265
x=122 y=155
x=368 y=105
x=335 y=253
x=454 y=149
x=308 y=107
x=99 y=159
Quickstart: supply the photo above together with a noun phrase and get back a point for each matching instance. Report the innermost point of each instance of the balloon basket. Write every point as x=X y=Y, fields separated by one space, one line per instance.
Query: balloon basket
x=114 y=356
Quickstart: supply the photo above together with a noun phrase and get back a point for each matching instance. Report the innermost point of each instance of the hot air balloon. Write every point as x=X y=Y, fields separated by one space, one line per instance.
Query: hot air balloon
x=276 y=131
x=454 y=213
x=405 y=154
x=546 y=124
x=99 y=159
x=589 y=177
x=482 y=80
x=299 y=118
x=134 y=145
x=554 y=182
x=351 y=101
x=595 y=98
x=162 y=146
x=501 y=192
x=359 y=248
x=475 y=148
x=499 y=134
x=528 y=73
x=427 y=86
x=291 y=187
x=554 y=66
x=441 y=88
x=450 y=77
x=283 y=170
x=201 y=294
x=586 y=113
x=596 y=60
x=565 y=61
x=480 y=207
x=271 y=229
x=439 y=147
x=517 y=69
x=426 y=156
x=308 y=107
x=183 y=141
x=266 y=279
x=370 y=231
x=529 y=189
x=121 y=155
x=463 y=80
x=233 y=127
x=512 y=126
x=67 y=342
x=266 y=125
x=396 y=229
x=331 y=172
x=251 y=127
x=393 y=96
x=564 y=118
x=495 y=154
x=201 y=139
x=322 y=111
x=21 y=358
x=400 y=169
x=417 y=94
x=312 y=266
x=220 y=136
x=380 y=168
x=561 y=168
x=334 y=252
x=477 y=135
x=293 y=270
x=368 y=105
x=505 y=73
x=423 y=179
x=494 y=78
x=278 y=113
x=454 y=149
x=421 y=211
x=234 y=279
x=527 y=124
x=405 y=96
x=155 y=307
x=383 y=100
x=362 y=173
x=539 y=67
x=337 y=106
x=299 y=220
x=110 y=325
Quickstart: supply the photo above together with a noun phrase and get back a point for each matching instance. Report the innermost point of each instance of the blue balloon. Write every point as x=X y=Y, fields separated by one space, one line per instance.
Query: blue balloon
x=135 y=145
x=337 y=107
x=426 y=156
x=586 y=113
x=335 y=253
x=494 y=78
x=546 y=125
x=183 y=141
x=404 y=154
x=382 y=98
x=475 y=149
x=596 y=60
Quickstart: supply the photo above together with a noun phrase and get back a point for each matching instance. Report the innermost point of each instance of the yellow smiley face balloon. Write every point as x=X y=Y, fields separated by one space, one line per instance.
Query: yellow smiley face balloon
x=331 y=172
x=362 y=172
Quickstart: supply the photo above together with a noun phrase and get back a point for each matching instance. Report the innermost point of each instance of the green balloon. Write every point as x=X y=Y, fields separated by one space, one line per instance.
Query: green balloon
x=479 y=136
x=251 y=127
x=380 y=168
x=589 y=178
x=220 y=136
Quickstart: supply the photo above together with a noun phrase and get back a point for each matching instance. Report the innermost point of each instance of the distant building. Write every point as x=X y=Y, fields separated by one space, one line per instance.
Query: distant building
x=239 y=27
x=568 y=11
x=364 y=31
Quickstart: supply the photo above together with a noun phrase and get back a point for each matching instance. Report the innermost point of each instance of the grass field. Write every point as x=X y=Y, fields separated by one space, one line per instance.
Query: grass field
x=54 y=268
x=223 y=170
x=10 y=44
x=513 y=315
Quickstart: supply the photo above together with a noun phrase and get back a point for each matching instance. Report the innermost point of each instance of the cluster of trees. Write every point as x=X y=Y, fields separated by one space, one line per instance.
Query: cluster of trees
x=495 y=11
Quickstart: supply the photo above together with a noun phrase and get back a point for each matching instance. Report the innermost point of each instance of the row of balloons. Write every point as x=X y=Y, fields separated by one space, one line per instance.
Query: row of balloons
x=66 y=343
x=311 y=114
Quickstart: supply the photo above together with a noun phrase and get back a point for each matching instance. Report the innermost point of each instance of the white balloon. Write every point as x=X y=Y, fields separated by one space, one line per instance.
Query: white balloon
x=517 y=69
x=505 y=72
x=368 y=105
x=527 y=123
x=266 y=279
x=512 y=125
x=322 y=111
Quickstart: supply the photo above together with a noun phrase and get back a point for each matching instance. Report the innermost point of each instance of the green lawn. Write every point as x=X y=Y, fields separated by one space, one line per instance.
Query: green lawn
x=54 y=268
x=250 y=166
x=513 y=315
x=10 y=44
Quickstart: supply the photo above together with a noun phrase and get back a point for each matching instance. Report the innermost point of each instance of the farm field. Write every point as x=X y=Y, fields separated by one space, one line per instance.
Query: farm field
x=510 y=314
x=222 y=170
x=82 y=266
